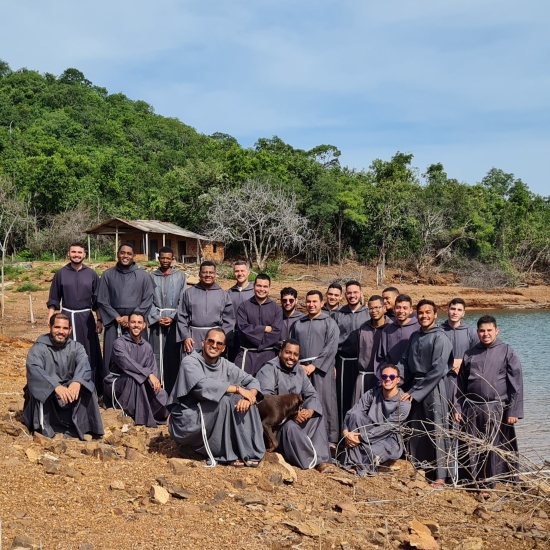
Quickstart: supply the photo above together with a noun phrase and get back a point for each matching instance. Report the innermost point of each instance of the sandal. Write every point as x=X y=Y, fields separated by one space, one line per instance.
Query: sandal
x=237 y=464
x=251 y=463
x=437 y=485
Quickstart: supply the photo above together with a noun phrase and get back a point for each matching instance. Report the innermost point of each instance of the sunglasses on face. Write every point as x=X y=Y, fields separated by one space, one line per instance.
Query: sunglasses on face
x=391 y=377
x=287 y=300
x=215 y=344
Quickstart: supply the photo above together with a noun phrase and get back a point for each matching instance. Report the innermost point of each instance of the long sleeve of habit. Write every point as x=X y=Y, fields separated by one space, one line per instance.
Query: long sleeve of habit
x=108 y=313
x=139 y=371
x=54 y=299
x=325 y=359
x=254 y=335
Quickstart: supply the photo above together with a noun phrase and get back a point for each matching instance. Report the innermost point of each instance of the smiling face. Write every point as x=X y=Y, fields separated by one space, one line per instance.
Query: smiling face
x=241 y=273
x=207 y=275
x=389 y=384
x=59 y=331
x=76 y=254
x=165 y=260
x=353 y=295
x=288 y=303
x=402 y=310
x=136 y=324
x=213 y=345
x=389 y=298
x=426 y=316
x=289 y=355
x=125 y=256
x=313 y=305
x=261 y=289
x=487 y=333
x=333 y=297
x=376 y=310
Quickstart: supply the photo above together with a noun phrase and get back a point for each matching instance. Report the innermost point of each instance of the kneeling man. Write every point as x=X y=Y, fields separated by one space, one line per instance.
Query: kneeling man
x=371 y=427
x=212 y=407
x=303 y=441
x=60 y=396
x=133 y=384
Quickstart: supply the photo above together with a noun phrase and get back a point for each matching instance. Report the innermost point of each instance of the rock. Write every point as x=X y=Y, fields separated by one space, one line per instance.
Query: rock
x=113 y=418
x=189 y=510
x=421 y=536
x=103 y=453
x=33 y=454
x=69 y=471
x=252 y=498
x=482 y=513
x=542 y=514
x=88 y=437
x=346 y=507
x=179 y=492
x=25 y=542
x=433 y=527
x=114 y=438
x=396 y=466
x=276 y=463
x=343 y=480
x=265 y=486
x=417 y=484
x=158 y=494
x=472 y=543
x=239 y=483
x=218 y=497
x=89 y=448
x=306 y=528
x=132 y=454
x=117 y=485
x=179 y=465
x=276 y=478
x=57 y=446
x=134 y=442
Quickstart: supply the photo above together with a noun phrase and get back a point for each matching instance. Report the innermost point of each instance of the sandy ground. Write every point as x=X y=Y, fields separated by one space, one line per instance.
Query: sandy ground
x=90 y=495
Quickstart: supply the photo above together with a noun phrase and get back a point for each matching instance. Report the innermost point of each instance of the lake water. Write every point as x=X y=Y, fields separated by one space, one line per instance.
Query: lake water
x=528 y=332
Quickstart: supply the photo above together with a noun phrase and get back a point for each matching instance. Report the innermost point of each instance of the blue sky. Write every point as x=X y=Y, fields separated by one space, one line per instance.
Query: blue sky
x=465 y=83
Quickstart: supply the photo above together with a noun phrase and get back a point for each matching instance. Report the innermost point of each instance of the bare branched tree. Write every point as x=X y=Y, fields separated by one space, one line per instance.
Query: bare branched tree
x=262 y=217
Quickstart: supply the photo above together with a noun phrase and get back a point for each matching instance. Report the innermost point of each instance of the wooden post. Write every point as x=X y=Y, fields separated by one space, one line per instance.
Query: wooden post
x=164 y=239
x=116 y=239
x=198 y=249
x=89 y=249
x=377 y=271
x=30 y=308
x=147 y=245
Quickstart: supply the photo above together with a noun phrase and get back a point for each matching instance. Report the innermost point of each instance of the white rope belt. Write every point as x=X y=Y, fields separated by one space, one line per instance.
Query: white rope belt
x=308 y=360
x=211 y=462
x=41 y=414
x=343 y=359
x=113 y=395
x=246 y=350
x=161 y=350
x=313 y=462
x=118 y=330
x=72 y=312
x=472 y=402
x=202 y=328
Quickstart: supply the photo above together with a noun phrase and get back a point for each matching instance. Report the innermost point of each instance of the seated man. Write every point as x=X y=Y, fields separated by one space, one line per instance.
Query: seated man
x=133 y=384
x=60 y=396
x=371 y=427
x=303 y=441
x=211 y=407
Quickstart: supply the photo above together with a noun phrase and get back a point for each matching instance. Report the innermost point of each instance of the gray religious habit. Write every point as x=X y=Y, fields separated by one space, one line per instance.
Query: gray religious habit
x=48 y=367
x=423 y=369
x=257 y=346
x=238 y=295
x=349 y=322
x=368 y=342
x=121 y=292
x=462 y=339
x=203 y=416
x=332 y=312
x=169 y=288
x=74 y=294
x=304 y=445
x=127 y=386
x=201 y=309
x=379 y=422
x=287 y=324
x=490 y=390
x=393 y=343
x=318 y=339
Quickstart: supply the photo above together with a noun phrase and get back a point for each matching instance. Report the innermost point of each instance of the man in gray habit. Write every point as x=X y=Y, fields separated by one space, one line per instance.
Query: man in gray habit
x=490 y=402
x=212 y=407
x=289 y=303
x=169 y=287
x=303 y=440
x=349 y=319
x=123 y=289
x=202 y=307
x=317 y=334
x=423 y=368
x=372 y=426
x=241 y=291
x=133 y=384
x=60 y=395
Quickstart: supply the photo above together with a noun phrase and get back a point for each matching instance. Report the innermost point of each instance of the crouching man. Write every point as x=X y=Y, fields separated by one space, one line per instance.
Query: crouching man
x=303 y=441
x=371 y=427
x=133 y=384
x=60 y=396
x=212 y=407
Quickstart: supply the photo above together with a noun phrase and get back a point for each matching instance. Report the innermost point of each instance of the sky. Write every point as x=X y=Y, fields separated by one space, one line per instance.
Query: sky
x=465 y=83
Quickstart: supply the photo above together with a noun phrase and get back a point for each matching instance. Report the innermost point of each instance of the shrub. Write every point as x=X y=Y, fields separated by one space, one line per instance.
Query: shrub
x=27 y=287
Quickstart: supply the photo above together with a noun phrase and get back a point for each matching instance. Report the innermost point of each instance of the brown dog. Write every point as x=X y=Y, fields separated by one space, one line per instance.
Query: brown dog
x=274 y=410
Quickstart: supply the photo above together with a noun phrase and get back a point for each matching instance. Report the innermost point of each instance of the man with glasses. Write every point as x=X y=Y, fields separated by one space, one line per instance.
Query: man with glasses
x=289 y=303
x=372 y=427
x=212 y=407
x=368 y=342
x=241 y=291
x=203 y=306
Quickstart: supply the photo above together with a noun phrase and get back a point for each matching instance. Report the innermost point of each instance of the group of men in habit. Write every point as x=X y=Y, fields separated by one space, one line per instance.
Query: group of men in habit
x=201 y=358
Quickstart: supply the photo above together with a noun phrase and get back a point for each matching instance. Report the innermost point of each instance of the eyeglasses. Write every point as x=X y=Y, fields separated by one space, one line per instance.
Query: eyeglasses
x=287 y=300
x=375 y=308
x=391 y=377
x=215 y=344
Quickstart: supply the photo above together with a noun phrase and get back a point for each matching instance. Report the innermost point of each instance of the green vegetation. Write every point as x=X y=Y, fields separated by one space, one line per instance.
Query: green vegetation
x=12 y=272
x=27 y=287
x=76 y=153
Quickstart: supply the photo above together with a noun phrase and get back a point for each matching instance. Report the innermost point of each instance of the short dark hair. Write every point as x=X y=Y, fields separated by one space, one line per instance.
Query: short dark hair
x=262 y=277
x=425 y=302
x=375 y=298
x=456 y=301
x=290 y=341
x=138 y=313
x=353 y=282
x=240 y=262
x=403 y=298
x=388 y=366
x=215 y=329
x=129 y=245
x=80 y=245
x=59 y=315
x=166 y=250
x=337 y=286
x=316 y=293
x=207 y=263
x=487 y=320
x=289 y=291
x=391 y=289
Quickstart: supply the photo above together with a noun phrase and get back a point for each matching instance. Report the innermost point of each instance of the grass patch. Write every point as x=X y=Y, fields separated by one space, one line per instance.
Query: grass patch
x=55 y=269
x=38 y=273
x=13 y=271
x=27 y=287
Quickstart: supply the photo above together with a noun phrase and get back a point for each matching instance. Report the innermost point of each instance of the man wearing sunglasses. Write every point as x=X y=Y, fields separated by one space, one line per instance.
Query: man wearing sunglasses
x=289 y=302
x=372 y=427
x=212 y=407
x=302 y=441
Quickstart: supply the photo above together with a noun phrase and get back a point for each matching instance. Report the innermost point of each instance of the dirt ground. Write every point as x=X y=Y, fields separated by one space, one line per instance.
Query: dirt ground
x=66 y=494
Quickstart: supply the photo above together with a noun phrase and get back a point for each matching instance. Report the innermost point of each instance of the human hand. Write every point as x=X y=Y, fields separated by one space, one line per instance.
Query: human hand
x=154 y=382
x=249 y=395
x=458 y=417
x=456 y=365
x=188 y=344
x=303 y=415
x=242 y=405
x=308 y=369
x=165 y=321
x=351 y=439
x=268 y=329
x=98 y=327
x=406 y=397
x=511 y=420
